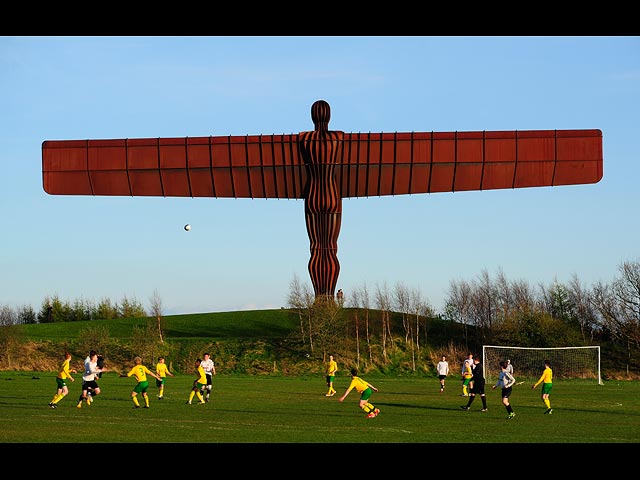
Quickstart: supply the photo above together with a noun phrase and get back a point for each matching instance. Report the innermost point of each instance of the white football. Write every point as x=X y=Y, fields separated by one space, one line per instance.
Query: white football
x=187 y=227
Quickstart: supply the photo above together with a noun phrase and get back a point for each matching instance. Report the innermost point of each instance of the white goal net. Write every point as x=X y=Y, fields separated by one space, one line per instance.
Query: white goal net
x=528 y=363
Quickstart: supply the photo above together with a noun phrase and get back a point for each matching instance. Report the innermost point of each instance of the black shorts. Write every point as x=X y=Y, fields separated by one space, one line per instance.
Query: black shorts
x=87 y=384
x=478 y=387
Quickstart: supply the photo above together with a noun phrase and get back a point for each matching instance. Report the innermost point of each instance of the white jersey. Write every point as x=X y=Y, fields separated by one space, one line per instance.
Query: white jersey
x=208 y=366
x=443 y=368
x=90 y=370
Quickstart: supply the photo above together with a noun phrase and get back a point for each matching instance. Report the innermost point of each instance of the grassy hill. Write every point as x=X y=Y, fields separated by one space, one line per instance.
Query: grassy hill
x=252 y=324
x=253 y=342
x=265 y=342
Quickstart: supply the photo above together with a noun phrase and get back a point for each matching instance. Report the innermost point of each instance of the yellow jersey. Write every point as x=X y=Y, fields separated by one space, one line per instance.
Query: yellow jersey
x=64 y=371
x=546 y=377
x=359 y=384
x=332 y=368
x=162 y=369
x=140 y=372
x=203 y=376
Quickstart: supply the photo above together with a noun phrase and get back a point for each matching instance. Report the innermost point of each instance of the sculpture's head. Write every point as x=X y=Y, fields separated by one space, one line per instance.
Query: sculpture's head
x=321 y=114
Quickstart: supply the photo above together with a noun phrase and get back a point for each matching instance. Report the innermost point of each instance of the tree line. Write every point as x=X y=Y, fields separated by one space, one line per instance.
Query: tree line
x=53 y=309
x=489 y=310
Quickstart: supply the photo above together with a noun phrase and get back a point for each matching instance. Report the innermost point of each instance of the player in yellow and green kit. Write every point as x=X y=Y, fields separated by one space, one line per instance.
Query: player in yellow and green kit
x=198 y=384
x=364 y=389
x=332 y=368
x=547 y=382
x=61 y=381
x=467 y=375
x=140 y=372
x=162 y=370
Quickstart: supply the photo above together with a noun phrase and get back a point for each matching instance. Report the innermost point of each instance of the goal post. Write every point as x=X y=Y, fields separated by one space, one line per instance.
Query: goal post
x=528 y=362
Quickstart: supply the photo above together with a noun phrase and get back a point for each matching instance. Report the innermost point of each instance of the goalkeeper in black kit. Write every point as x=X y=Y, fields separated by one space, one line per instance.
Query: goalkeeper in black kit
x=478 y=386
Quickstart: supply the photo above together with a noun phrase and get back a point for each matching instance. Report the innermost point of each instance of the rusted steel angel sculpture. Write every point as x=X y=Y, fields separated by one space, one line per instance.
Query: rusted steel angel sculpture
x=322 y=167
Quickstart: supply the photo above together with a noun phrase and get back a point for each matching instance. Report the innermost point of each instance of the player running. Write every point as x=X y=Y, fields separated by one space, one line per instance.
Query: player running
x=364 y=389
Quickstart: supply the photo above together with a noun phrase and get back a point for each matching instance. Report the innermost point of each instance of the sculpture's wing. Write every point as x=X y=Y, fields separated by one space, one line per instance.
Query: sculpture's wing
x=405 y=163
x=373 y=164
x=253 y=166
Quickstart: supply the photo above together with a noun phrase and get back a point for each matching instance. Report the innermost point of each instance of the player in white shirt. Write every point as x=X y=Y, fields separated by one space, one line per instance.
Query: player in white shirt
x=509 y=367
x=443 y=370
x=210 y=370
x=90 y=386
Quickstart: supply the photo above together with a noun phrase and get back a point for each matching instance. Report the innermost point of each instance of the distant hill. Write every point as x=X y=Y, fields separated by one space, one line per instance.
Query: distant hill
x=253 y=342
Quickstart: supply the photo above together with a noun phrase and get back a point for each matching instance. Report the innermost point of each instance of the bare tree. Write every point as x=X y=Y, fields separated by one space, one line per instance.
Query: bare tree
x=458 y=304
x=26 y=315
x=294 y=301
x=618 y=304
x=403 y=298
x=627 y=291
x=383 y=301
x=484 y=302
x=585 y=311
x=504 y=294
x=355 y=302
x=328 y=324
x=523 y=296
x=361 y=301
x=420 y=308
x=8 y=316
x=401 y=304
x=9 y=336
x=301 y=299
x=156 y=311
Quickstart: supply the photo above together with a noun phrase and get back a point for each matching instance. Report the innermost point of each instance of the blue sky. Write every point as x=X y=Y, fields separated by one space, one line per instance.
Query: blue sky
x=243 y=253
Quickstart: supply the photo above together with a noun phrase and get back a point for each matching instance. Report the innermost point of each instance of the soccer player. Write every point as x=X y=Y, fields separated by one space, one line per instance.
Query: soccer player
x=467 y=375
x=61 y=381
x=198 y=384
x=506 y=381
x=509 y=367
x=547 y=382
x=209 y=370
x=89 y=383
x=477 y=387
x=162 y=371
x=364 y=389
x=443 y=370
x=140 y=371
x=332 y=368
x=100 y=364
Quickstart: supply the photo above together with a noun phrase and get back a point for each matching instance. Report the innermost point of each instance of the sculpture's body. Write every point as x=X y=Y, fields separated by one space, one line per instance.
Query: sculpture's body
x=322 y=167
x=323 y=203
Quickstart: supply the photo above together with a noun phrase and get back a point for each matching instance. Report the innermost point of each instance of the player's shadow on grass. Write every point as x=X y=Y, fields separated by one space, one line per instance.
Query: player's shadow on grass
x=626 y=413
x=421 y=406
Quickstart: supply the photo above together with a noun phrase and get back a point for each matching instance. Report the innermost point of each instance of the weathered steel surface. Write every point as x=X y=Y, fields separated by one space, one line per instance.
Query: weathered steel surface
x=322 y=167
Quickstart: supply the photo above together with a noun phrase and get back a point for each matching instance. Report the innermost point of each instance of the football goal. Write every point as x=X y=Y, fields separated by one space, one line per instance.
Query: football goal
x=528 y=363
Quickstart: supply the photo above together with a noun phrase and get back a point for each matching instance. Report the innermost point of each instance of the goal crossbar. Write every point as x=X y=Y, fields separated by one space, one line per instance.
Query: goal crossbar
x=528 y=362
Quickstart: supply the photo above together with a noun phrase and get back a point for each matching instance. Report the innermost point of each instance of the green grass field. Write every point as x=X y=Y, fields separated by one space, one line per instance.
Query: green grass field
x=246 y=409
